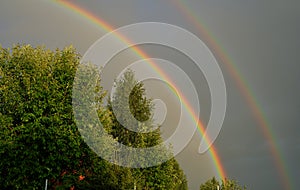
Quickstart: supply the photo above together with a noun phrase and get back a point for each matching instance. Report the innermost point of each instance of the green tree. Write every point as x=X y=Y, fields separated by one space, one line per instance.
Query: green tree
x=167 y=175
x=38 y=138
x=226 y=184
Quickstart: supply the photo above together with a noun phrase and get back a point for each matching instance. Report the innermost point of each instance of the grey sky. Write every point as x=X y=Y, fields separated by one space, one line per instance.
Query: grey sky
x=260 y=37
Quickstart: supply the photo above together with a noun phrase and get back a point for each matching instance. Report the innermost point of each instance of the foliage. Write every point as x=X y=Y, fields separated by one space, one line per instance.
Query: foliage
x=224 y=185
x=167 y=175
x=38 y=138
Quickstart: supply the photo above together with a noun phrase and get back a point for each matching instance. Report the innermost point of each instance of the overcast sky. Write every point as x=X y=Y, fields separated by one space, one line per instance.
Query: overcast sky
x=261 y=38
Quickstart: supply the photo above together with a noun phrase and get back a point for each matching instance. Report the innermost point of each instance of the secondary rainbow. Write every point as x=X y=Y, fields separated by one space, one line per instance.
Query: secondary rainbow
x=108 y=28
x=244 y=89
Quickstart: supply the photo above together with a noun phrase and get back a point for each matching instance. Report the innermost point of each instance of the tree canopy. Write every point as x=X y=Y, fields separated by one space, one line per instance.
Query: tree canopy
x=167 y=175
x=39 y=139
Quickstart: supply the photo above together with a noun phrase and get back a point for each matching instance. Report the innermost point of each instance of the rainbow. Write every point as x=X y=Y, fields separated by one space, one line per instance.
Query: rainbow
x=108 y=28
x=244 y=89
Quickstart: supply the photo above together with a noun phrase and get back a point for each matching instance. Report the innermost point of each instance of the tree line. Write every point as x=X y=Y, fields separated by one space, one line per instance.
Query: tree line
x=39 y=138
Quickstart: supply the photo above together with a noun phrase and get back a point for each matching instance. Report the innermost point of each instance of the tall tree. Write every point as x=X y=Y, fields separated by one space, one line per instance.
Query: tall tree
x=38 y=138
x=131 y=108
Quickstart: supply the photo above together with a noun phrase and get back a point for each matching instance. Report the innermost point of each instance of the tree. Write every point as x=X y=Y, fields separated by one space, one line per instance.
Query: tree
x=167 y=175
x=224 y=185
x=39 y=139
